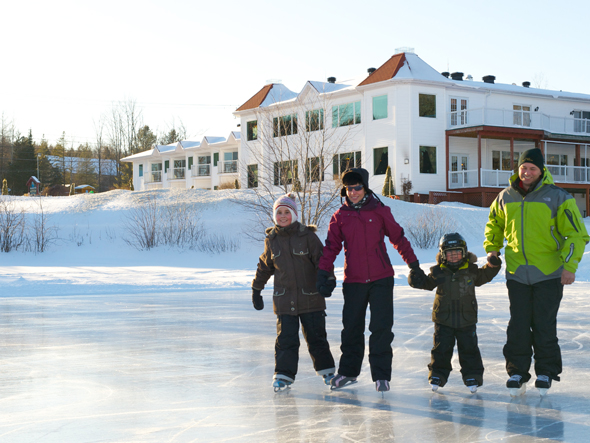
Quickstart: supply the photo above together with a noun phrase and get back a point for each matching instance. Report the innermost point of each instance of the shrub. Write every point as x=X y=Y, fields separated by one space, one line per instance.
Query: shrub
x=427 y=228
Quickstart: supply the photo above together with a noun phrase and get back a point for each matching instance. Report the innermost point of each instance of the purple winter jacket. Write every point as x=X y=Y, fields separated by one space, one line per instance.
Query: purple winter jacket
x=362 y=232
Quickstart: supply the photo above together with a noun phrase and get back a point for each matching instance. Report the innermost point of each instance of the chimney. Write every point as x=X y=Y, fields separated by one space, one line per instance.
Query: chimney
x=526 y=84
x=331 y=79
x=371 y=70
x=457 y=76
x=488 y=79
x=445 y=74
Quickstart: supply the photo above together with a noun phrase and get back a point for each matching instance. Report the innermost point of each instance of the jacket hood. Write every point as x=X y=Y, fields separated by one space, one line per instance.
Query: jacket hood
x=301 y=229
x=355 y=175
x=471 y=255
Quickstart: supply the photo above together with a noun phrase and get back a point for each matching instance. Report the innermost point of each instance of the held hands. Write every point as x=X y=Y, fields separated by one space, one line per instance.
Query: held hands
x=324 y=284
x=257 y=299
x=416 y=277
x=494 y=259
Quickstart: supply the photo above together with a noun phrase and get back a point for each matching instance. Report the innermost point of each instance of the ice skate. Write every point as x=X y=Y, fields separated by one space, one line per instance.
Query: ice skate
x=471 y=383
x=382 y=385
x=340 y=381
x=328 y=378
x=516 y=386
x=434 y=383
x=281 y=385
x=543 y=383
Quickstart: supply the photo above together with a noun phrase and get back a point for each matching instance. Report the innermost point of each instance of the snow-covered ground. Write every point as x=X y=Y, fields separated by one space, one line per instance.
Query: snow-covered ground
x=102 y=342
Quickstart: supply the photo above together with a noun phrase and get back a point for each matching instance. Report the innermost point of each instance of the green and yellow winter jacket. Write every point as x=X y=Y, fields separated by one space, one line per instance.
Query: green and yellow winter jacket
x=543 y=229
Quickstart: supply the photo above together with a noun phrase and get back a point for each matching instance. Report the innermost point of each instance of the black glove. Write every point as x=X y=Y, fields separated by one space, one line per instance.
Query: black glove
x=495 y=260
x=323 y=284
x=417 y=277
x=257 y=299
x=438 y=275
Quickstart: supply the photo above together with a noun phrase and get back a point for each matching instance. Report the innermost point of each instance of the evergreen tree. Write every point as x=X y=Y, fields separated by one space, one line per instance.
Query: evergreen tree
x=85 y=169
x=146 y=139
x=23 y=165
x=388 y=189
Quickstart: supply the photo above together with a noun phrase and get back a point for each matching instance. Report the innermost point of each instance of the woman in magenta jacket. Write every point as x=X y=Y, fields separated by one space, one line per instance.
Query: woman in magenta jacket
x=361 y=224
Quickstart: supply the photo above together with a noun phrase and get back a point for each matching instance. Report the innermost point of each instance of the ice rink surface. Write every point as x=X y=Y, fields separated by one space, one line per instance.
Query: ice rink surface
x=197 y=367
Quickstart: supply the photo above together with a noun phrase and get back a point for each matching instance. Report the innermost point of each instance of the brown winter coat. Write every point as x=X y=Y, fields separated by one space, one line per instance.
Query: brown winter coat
x=291 y=254
x=455 y=304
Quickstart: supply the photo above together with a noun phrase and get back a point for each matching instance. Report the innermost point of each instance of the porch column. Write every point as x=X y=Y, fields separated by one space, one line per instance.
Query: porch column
x=577 y=156
x=511 y=155
x=447 y=160
x=543 y=148
x=478 y=159
x=587 y=202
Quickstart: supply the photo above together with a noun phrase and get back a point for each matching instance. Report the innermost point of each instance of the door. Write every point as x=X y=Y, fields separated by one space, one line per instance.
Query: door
x=459 y=162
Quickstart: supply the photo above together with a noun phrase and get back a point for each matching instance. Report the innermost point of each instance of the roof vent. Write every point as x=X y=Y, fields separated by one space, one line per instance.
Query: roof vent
x=445 y=74
x=526 y=84
x=457 y=76
x=469 y=77
x=331 y=79
x=405 y=49
x=371 y=70
x=489 y=78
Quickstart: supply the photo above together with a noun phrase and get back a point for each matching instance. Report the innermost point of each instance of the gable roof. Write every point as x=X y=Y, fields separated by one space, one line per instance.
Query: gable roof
x=268 y=95
x=387 y=70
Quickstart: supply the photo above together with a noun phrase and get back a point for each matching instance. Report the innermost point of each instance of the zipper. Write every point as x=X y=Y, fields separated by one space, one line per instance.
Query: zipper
x=554 y=238
x=567 y=259
x=522 y=231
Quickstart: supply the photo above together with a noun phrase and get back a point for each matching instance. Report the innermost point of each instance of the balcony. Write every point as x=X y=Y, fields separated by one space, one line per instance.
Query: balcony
x=201 y=171
x=176 y=173
x=494 y=178
x=518 y=119
x=229 y=167
x=153 y=177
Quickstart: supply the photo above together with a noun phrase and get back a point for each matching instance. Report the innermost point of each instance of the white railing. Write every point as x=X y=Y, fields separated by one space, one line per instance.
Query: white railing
x=229 y=167
x=570 y=174
x=200 y=170
x=152 y=177
x=176 y=173
x=463 y=179
x=518 y=119
x=494 y=178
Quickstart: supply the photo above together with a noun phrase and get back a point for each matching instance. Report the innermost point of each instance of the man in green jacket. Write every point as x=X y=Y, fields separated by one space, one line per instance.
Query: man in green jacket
x=545 y=240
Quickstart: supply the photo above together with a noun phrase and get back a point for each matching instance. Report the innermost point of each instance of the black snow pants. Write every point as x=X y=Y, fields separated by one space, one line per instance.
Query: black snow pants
x=313 y=325
x=533 y=327
x=357 y=296
x=467 y=348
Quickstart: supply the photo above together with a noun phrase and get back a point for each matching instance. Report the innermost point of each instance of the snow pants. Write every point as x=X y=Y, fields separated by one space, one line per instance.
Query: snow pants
x=533 y=327
x=467 y=348
x=357 y=296
x=313 y=325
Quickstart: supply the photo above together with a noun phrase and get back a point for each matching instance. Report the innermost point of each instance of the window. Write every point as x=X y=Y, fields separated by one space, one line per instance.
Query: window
x=554 y=161
x=427 y=105
x=314 y=120
x=230 y=161
x=215 y=158
x=285 y=125
x=459 y=162
x=380 y=107
x=156 y=172
x=204 y=165
x=141 y=170
x=346 y=115
x=179 y=169
x=166 y=165
x=314 y=169
x=252 y=130
x=428 y=159
x=380 y=161
x=501 y=160
x=342 y=162
x=285 y=172
x=190 y=162
x=581 y=121
x=252 y=176
x=458 y=111
x=522 y=115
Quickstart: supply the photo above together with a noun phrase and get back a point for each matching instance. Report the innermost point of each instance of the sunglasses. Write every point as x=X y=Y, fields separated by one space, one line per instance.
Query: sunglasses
x=356 y=188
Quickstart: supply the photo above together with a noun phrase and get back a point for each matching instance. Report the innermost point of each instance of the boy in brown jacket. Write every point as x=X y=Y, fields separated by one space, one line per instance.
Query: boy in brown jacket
x=291 y=253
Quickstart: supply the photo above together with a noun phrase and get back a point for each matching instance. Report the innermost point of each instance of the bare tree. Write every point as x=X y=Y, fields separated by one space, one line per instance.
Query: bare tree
x=7 y=138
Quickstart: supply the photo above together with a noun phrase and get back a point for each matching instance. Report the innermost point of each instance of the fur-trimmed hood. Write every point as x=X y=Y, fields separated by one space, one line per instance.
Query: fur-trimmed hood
x=471 y=255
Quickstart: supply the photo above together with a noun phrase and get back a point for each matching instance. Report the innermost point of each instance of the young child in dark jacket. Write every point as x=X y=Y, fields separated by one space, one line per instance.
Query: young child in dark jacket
x=292 y=252
x=455 y=310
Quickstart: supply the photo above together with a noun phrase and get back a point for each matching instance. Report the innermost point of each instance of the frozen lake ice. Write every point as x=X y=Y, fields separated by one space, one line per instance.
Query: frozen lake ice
x=198 y=366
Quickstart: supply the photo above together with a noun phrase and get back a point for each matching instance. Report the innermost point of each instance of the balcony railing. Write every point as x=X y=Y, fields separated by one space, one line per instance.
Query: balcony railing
x=229 y=167
x=495 y=178
x=200 y=170
x=518 y=119
x=154 y=177
x=176 y=173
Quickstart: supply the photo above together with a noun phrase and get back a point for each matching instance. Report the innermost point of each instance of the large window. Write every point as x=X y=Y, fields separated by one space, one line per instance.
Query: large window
x=501 y=160
x=314 y=120
x=346 y=114
x=458 y=111
x=342 y=162
x=230 y=161
x=252 y=176
x=581 y=121
x=204 y=167
x=179 y=169
x=252 y=130
x=156 y=172
x=427 y=105
x=314 y=169
x=380 y=107
x=522 y=115
x=380 y=161
x=285 y=125
x=428 y=159
x=555 y=163
x=141 y=170
x=285 y=172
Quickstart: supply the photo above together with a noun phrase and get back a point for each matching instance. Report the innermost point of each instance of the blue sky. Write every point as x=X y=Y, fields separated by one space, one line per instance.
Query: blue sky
x=66 y=62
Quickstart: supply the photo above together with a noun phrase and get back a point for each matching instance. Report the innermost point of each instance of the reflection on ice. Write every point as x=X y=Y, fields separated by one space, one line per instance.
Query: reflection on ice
x=198 y=367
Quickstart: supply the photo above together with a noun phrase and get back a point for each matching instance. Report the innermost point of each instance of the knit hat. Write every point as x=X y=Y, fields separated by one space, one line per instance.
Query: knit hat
x=533 y=156
x=354 y=176
x=287 y=201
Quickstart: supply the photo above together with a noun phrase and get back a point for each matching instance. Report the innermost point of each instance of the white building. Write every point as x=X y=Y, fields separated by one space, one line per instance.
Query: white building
x=209 y=164
x=449 y=136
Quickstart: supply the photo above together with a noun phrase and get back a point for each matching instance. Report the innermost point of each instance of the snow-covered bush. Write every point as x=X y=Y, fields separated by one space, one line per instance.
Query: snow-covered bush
x=428 y=227
x=12 y=226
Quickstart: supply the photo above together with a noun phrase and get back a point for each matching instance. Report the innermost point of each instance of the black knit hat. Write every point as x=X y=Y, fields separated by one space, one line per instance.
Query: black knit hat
x=533 y=156
x=354 y=176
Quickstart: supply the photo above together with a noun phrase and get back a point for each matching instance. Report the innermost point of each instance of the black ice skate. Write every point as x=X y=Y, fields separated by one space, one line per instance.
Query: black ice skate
x=340 y=381
x=471 y=383
x=382 y=385
x=435 y=383
x=543 y=383
x=281 y=385
x=516 y=386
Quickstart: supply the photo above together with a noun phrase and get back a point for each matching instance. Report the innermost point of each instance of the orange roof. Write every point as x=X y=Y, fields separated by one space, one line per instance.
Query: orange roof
x=386 y=71
x=256 y=99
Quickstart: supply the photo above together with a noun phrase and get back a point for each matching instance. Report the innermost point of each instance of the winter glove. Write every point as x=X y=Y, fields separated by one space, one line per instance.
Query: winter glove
x=257 y=299
x=324 y=284
x=494 y=260
x=417 y=277
x=438 y=275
